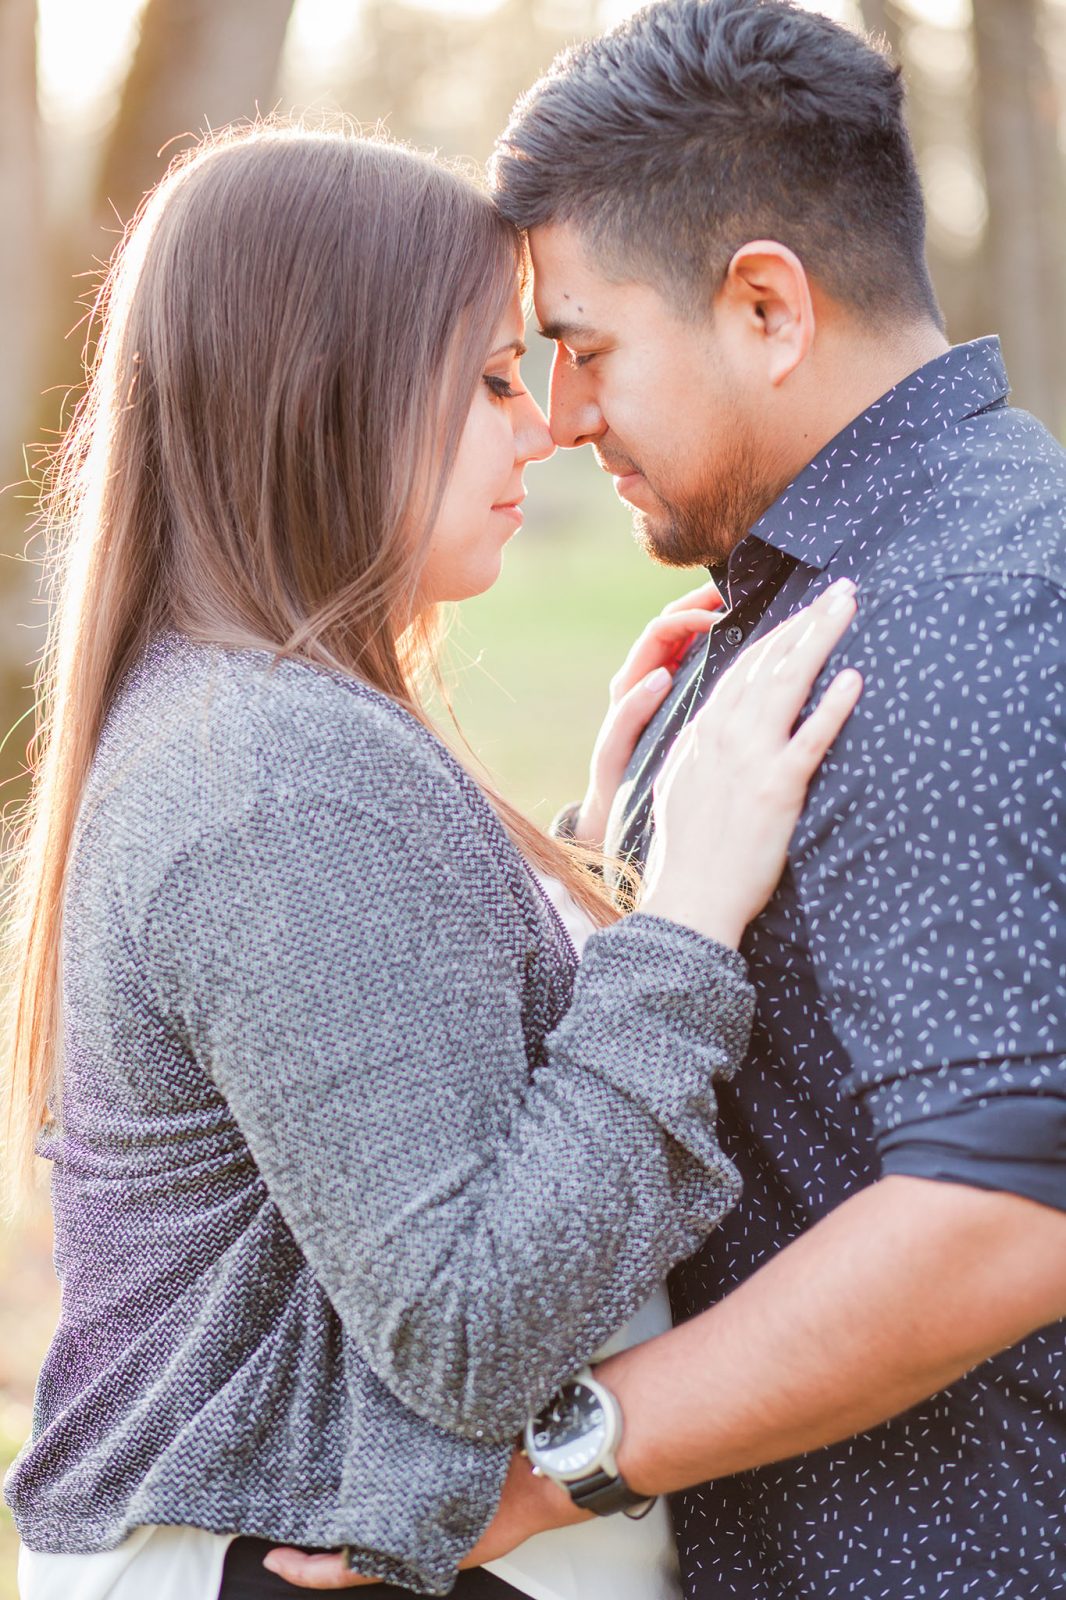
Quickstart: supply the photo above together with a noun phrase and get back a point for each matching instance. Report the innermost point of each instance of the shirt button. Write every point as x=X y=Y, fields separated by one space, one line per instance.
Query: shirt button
x=734 y=635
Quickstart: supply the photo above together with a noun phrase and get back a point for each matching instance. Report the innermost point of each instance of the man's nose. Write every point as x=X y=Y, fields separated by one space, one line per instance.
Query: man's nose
x=573 y=415
x=533 y=440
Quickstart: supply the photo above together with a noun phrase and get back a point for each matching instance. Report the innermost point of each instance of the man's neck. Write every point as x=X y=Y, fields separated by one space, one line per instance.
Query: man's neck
x=859 y=372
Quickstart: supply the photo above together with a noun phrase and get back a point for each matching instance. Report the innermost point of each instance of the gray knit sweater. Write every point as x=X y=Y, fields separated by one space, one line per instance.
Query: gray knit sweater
x=349 y=1169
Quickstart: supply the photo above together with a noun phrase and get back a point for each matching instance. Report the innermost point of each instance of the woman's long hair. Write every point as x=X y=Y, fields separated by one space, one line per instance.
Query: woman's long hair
x=290 y=339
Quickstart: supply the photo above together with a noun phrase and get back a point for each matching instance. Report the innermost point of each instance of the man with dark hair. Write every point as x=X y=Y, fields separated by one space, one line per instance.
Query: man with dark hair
x=694 y=128
x=659 y=151
x=727 y=234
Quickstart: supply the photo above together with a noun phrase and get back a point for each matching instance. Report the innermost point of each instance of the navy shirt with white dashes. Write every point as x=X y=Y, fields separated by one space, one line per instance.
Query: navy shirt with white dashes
x=911 y=1013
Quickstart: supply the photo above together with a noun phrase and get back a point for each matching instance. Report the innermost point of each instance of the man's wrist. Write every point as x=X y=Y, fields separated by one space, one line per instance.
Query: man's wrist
x=545 y=1504
x=631 y=1455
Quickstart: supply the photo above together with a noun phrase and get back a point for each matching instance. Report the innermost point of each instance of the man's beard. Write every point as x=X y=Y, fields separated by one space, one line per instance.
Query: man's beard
x=705 y=529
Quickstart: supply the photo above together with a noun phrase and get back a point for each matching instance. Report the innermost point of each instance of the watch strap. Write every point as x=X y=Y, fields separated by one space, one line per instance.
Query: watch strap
x=603 y=1494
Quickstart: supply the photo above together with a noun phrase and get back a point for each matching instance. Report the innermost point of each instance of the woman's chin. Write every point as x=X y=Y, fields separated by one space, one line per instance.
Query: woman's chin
x=468 y=585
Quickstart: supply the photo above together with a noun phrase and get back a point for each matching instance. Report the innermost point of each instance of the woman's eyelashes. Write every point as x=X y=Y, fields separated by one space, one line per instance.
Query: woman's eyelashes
x=501 y=387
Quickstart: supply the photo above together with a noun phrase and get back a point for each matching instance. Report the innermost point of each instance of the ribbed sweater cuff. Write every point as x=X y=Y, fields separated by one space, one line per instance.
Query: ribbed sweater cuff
x=660 y=1012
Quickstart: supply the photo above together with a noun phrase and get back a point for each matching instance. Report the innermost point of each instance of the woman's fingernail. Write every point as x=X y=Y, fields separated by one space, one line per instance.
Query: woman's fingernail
x=272 y=1564
x=839 y=596
x=846 y=682
x=657 y=680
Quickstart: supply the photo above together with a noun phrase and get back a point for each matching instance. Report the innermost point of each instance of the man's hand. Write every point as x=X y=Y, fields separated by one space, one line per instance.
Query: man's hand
x=637 y=691
x=527 y=1506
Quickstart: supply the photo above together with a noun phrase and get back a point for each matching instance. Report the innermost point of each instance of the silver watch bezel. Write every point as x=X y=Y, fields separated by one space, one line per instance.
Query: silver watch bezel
x=604 y=1460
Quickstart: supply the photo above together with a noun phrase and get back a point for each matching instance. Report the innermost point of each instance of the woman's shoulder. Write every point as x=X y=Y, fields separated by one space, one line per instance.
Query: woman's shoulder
x=237 y=722
x=200 y=738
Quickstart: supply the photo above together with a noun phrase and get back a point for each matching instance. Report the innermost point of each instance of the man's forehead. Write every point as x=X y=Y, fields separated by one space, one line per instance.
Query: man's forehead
x=575 y=299
x=567 y=290
x=560 y=247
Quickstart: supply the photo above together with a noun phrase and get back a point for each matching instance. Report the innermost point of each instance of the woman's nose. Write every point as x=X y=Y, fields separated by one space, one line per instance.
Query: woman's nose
x=575 y=417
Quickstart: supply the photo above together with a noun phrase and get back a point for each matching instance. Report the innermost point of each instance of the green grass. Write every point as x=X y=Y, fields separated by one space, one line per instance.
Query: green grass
x=530 y=660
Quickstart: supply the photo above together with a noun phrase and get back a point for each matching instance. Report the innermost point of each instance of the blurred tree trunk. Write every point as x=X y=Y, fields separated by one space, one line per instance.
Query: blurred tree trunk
x=448 y=81
x=198 y=64
x=882 y=18
x=22 y=298
x=21 y=237
x=1025 y=247
x=941 y=115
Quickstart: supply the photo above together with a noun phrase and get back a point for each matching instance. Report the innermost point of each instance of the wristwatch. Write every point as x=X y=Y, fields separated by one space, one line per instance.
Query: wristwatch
x=573 y=1441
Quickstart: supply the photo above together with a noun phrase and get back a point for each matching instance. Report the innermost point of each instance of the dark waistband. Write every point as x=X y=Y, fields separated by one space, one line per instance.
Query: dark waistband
x=245 y=1578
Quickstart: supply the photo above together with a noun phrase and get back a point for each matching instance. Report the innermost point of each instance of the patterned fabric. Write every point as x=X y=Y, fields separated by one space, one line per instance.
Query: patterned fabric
x=351 y=1168
x=910 y=1015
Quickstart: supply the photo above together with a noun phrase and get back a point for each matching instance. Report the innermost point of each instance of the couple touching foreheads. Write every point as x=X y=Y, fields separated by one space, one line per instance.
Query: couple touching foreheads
x=375 y=1113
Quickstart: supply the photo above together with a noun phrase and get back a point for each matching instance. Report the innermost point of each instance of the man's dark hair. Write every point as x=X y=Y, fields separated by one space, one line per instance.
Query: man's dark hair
x=699 y=125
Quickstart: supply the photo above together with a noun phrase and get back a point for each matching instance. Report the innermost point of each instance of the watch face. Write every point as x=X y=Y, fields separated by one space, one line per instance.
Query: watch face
x=570 y=1432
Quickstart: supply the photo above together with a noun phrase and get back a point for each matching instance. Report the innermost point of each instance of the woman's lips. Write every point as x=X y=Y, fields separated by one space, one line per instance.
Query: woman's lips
x=511 y=509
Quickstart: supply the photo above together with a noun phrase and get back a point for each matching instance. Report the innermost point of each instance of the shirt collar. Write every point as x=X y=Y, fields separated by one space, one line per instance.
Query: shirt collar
x=839 y=489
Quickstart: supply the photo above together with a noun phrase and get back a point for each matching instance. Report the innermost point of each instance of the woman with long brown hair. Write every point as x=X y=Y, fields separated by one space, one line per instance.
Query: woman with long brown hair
x=352 y=1164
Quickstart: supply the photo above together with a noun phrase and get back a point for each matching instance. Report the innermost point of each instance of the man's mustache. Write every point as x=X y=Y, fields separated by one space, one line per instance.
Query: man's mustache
x=617 y=466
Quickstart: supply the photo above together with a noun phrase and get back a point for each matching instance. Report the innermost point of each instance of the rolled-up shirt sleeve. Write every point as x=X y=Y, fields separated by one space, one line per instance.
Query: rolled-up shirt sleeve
x=992 y=1140
x=933 y=883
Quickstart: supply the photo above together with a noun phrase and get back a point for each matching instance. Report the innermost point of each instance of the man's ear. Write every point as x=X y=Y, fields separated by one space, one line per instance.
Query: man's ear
x=768 y=294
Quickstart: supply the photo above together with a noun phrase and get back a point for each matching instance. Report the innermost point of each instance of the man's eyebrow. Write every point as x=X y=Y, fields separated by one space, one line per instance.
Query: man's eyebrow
x=566 y=332
x=515 y=345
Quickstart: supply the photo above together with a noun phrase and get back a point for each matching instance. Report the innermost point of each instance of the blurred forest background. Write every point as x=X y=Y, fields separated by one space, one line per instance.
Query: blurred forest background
x=97 y=95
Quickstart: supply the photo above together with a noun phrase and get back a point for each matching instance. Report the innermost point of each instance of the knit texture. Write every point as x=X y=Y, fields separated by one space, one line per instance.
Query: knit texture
x=351 y=1169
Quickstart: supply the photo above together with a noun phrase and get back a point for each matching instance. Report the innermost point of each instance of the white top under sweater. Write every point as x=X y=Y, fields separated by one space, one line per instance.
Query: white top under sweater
x=612 y=1558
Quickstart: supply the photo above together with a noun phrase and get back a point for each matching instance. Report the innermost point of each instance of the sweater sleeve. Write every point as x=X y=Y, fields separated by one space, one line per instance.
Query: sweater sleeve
x=479 y=1228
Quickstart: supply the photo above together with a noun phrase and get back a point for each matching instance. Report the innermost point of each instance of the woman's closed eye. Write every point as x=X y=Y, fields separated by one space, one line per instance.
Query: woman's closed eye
x=501 y=387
